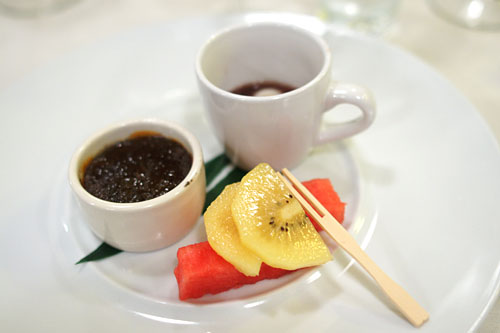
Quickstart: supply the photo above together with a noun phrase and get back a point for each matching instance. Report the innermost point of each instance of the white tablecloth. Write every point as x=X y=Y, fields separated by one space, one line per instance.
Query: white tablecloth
x=469 y=59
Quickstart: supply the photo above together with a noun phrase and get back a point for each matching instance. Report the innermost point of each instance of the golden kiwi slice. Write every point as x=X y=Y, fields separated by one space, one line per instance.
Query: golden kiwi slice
x=273 y=225
x=223 y=235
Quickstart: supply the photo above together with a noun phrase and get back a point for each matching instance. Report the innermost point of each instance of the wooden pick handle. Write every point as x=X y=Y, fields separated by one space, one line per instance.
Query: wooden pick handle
x=408 y=306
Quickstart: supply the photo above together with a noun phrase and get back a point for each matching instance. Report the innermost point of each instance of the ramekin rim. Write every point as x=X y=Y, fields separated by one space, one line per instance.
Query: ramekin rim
x=193 y=173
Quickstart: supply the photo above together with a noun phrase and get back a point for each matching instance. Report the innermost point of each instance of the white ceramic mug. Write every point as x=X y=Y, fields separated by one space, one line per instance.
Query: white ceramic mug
x=279 y=129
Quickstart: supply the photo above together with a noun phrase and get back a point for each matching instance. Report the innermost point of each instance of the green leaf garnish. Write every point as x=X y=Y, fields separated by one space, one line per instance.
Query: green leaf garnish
x=215 y=166
x=103 y=251
x=212 y=169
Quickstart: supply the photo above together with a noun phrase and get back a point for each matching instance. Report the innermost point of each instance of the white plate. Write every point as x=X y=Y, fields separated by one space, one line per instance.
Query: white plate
x=422 y=187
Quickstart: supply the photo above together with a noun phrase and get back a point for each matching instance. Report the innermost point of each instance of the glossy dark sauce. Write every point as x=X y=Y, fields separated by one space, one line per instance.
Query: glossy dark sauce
x=139 y=168
x=251 y=89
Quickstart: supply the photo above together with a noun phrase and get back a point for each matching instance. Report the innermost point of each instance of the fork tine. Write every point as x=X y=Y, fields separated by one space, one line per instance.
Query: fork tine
x=307 y=207
x=308 y=195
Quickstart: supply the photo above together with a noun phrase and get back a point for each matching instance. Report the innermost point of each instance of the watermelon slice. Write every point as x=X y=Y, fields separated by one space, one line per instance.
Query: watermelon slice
x=323 y=190
x=201 y=271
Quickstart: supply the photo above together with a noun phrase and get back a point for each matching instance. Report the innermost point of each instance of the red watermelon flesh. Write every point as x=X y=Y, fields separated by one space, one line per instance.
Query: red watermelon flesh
x=201 y=271
x=322 y=189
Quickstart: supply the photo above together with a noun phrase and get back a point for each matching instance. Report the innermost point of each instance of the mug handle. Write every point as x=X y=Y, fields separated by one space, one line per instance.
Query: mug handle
x=346 y=93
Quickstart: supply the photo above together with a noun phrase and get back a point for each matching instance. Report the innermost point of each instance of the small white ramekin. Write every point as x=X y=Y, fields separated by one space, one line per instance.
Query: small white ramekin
x=148 y=225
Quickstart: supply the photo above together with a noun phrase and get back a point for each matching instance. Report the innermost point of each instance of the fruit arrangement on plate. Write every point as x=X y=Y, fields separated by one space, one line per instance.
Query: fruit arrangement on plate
x=256 y=230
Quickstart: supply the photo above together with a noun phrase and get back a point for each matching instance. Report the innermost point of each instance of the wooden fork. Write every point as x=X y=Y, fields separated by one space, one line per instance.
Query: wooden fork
x=408 y=306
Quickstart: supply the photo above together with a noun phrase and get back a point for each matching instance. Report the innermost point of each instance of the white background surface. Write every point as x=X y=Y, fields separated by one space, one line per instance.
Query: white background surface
x=470 y=60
